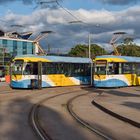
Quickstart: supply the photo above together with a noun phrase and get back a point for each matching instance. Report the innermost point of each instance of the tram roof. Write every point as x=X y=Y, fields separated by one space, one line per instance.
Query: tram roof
x=47 y=58
x=113 y=58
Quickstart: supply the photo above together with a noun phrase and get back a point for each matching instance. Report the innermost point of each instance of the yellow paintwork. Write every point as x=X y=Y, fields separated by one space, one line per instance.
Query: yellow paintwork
x=99 y=77
x=111 y=59
x=32 y=59
x=129 y=78
x=61 y=80
x=133 y=79
x=137 y=81
x=16 y=77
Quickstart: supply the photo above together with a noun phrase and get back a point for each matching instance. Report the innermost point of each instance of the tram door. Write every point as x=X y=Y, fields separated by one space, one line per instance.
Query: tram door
x=39 y=75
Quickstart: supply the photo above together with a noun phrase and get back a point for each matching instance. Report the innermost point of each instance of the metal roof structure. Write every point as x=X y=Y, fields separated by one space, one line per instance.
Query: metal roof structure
x=59 y=58
x=126 y=58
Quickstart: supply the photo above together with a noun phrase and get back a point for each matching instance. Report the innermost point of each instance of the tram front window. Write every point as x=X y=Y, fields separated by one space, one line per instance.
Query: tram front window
x=31 y=69
x=100 y=70
x=17 y=67
x=28 y=69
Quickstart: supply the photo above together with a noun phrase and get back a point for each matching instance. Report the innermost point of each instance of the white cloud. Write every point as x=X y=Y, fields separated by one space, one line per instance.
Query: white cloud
x=67 y=34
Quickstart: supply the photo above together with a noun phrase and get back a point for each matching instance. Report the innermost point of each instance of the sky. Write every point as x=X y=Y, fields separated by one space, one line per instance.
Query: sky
x=100 y=18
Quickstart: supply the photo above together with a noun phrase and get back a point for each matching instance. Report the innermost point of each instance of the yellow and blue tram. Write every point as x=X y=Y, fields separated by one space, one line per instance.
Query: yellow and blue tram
x=32 y=71
x=116 y=71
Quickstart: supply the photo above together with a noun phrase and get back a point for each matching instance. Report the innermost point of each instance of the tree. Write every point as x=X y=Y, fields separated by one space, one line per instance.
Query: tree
x=129 y=50
x=128 y=41
x=82 y=50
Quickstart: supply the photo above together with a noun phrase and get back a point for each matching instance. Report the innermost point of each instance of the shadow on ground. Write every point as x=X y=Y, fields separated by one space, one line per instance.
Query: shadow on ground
x=111 y=91
x=14 y=122
x=59 y=127
x=132 y=105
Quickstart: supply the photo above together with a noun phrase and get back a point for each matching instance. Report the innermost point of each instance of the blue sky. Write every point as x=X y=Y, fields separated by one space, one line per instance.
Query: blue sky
x=18 y=7
x=111 y=15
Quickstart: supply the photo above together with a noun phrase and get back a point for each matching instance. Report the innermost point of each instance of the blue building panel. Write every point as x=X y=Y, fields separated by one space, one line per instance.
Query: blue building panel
x=12 y=47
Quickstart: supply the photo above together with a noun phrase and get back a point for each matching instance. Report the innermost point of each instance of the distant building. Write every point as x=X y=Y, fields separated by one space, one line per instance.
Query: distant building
x=12 y=44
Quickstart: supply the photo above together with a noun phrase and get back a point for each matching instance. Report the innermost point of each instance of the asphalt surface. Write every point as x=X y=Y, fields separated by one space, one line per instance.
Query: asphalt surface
x=15 y=106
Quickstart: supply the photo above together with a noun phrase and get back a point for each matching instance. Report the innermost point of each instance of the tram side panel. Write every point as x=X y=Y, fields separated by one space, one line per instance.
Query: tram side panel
x=116 y=74
x=65 y=74
x=53 y=74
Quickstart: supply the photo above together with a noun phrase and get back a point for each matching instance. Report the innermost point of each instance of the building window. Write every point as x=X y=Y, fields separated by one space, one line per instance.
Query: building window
x=29 y=48
x=14 y=48
x=4 y=42
x=24 y=47
x=19 y=48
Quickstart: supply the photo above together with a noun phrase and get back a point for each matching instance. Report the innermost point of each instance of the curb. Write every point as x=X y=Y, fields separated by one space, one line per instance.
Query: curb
x=125 y=119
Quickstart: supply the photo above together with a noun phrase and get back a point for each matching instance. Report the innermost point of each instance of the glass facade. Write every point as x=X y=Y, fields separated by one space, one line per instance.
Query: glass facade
x=9 y=48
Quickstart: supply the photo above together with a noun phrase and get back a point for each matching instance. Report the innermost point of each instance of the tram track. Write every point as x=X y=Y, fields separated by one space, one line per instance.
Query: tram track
x=115 y=115
x=40 y=98
x=30 y=98
x=40 y=132
x=34 y=120
x=91 y=127
x=81 y=121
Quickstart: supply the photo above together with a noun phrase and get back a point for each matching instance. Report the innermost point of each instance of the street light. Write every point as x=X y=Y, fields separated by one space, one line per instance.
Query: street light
x=89 y=52
x=89 y=36
x=89 y=45
x=38 y=38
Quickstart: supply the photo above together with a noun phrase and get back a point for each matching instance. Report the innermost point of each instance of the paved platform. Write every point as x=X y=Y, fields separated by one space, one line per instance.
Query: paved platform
x=123 y=101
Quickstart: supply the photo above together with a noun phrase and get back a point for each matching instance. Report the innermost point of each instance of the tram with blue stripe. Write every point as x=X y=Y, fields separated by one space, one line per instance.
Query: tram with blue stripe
x=32 y=71
x=116 y=71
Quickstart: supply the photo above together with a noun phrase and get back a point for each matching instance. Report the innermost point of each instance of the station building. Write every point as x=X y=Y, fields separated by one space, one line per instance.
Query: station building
x=10 y=47
x=13 y=44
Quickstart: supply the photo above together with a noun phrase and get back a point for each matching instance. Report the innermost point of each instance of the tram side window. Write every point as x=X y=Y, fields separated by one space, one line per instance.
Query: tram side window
x=28 y=69
x=126 y=68
x=35 y=68
x=138 y=69
x=70 y=71
x=54 y=68
x=134 y=68
x=76 y=70
x=113 y=68
x=60 y=67
x=81 y=70
x=31 y=69
x=17 y=67
x=87 y=69
x=44 y=68
x=51 y=68
x=67 y=69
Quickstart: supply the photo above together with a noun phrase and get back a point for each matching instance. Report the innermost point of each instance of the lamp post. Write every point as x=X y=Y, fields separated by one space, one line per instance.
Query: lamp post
x=38 y=38
x=89 y=52
x=89 y=45
x=89 y=36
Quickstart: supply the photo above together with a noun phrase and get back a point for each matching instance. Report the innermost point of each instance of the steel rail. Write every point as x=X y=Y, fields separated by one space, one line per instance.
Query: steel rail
x=33 y=117
x=81 y=121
